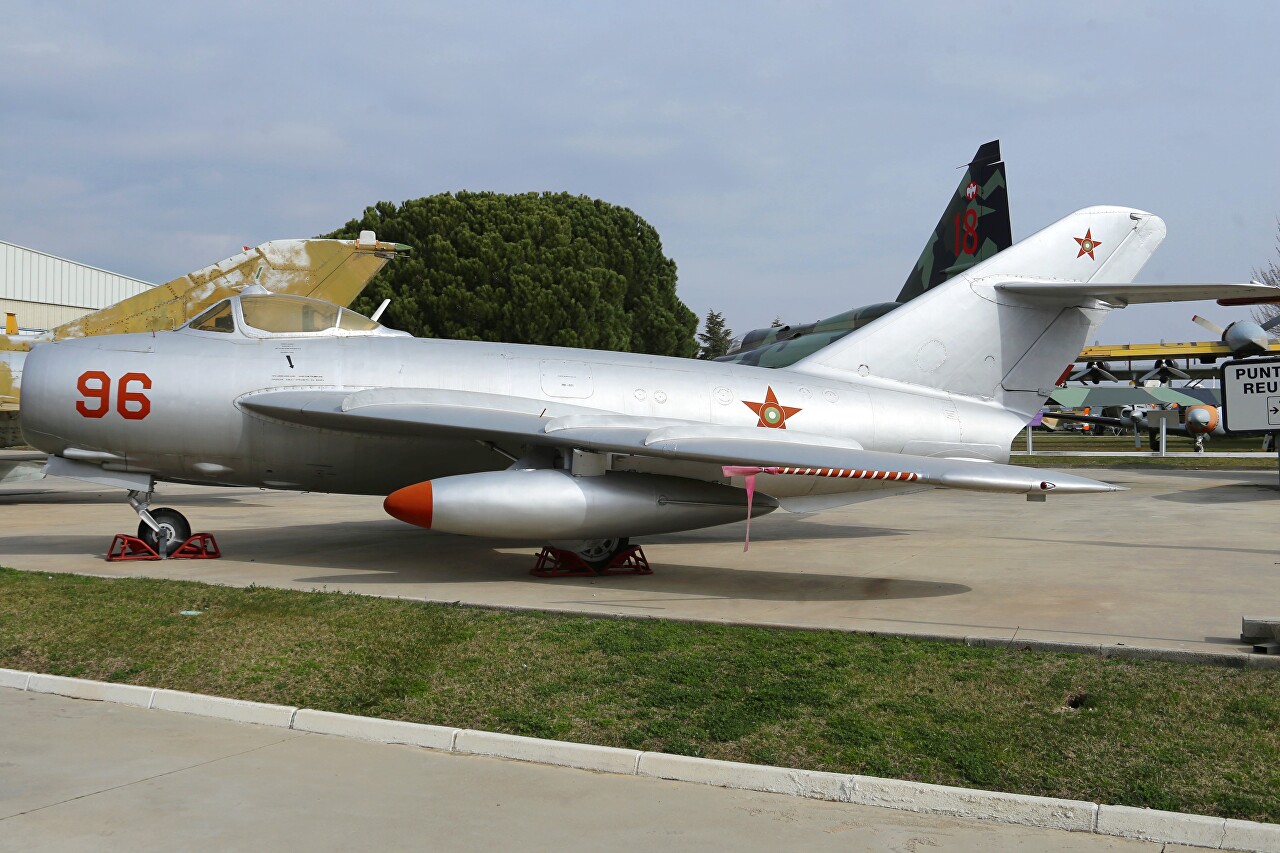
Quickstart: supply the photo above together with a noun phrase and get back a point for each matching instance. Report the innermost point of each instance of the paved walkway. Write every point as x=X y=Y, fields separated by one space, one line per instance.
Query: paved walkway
x=1175 y=562
x=78 y=775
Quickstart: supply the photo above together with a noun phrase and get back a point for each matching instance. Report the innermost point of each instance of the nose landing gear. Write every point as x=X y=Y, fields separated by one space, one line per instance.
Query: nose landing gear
x=163 y=533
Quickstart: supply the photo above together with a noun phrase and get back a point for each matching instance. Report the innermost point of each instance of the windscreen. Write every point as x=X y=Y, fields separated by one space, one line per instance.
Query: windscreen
x=219 y=318
x=281 y=314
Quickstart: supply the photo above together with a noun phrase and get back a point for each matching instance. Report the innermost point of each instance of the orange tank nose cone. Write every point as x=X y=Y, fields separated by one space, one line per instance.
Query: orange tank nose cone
x=412 y=504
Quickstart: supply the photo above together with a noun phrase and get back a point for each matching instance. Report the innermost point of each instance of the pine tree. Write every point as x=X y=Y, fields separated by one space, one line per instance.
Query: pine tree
x=715 y=338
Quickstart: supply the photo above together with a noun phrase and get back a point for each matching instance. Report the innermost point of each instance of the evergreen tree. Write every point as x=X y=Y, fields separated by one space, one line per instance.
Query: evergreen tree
x=546 y=268
x=716 y=339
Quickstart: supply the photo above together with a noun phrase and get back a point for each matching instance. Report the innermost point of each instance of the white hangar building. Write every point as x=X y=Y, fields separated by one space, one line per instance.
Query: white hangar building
x=46 y=291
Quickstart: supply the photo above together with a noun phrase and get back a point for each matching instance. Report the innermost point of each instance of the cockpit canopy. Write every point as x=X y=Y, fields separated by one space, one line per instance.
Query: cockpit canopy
x=283 y=315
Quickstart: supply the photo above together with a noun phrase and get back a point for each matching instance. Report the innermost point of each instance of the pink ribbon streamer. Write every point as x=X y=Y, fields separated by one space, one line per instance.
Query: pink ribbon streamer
x=748 y=472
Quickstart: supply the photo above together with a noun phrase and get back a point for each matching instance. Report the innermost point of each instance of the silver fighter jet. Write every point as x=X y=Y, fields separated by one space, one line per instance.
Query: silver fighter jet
x=585 y=449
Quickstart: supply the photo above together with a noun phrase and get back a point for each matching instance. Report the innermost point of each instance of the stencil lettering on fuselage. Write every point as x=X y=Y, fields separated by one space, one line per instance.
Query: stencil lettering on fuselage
x=570 y=379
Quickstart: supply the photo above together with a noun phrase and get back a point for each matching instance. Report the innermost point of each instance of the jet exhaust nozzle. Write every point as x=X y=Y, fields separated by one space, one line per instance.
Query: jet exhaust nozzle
x=547 y=504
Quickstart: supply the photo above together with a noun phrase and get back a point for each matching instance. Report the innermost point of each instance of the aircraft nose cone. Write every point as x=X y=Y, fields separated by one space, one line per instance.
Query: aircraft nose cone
x=412 y=504
x=1198 y=420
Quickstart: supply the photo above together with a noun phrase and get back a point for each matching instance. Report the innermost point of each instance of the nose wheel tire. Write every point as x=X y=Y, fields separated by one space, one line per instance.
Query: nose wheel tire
x=174 y=530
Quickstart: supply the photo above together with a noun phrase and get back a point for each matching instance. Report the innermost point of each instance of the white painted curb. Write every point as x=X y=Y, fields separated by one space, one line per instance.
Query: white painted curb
x=1071 y=815
x=14 y=678
x=236 y=710
x=1248 y=835
x=99 y=691
x=604 y=759
x=748 y=777
x=370 y=728
x=1170 y=827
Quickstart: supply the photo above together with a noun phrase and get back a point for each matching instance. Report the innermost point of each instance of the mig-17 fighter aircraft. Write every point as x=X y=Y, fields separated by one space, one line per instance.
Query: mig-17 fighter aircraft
x=585 y=449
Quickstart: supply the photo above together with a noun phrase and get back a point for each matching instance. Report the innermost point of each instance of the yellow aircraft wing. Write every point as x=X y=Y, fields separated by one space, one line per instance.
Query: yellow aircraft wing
x=1190 y=349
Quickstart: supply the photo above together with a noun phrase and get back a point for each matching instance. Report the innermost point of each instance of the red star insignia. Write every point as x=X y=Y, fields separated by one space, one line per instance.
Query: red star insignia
x=971 y=191
x=772 y=415
x=1087 y=244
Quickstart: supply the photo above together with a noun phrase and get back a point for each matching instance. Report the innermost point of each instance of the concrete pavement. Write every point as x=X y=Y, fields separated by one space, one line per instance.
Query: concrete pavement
x=79 y=775
x=1173 y=563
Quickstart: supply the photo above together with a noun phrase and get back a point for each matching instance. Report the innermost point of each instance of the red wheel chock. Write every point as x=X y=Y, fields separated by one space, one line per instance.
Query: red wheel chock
x=554 y=563
x=199 y=546
x=125 y=548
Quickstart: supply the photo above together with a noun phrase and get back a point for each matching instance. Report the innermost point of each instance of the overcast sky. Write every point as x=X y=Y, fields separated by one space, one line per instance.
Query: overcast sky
x=793 y=156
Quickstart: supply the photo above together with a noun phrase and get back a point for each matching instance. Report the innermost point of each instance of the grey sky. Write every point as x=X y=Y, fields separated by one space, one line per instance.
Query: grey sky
x=792 y=155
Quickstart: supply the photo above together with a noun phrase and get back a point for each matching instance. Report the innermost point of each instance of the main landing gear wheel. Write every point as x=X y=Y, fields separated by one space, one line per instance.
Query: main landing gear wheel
x=598 y=553
x=174 y=530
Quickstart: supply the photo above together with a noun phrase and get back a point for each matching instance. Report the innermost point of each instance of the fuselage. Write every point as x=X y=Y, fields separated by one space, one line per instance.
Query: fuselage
x=167 y=404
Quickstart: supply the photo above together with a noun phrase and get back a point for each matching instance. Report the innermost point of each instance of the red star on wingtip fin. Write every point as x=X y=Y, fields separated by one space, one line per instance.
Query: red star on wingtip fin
x=772 y=415
x=1087 y=244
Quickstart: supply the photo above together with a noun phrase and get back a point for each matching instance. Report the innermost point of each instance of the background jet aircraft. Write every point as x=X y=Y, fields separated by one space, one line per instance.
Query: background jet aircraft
x=974 y=226
x=1200 y=421
x=333 y=270
x=587 y=448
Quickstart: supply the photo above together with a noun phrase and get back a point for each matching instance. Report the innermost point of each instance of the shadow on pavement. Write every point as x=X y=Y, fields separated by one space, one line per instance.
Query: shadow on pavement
x=1225 y=494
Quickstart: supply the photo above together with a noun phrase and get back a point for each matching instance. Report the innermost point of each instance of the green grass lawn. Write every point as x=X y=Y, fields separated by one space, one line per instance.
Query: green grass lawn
x=1142 y=733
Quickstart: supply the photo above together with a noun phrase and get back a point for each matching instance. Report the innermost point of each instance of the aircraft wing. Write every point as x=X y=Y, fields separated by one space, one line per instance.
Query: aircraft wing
x=1183 y=349
x=1137 y=294
x=1123 y=396
x=497 y=418
x=19 y=467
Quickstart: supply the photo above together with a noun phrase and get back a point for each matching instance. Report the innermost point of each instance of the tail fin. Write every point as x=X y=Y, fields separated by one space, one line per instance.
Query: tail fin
x=972 y=336
x=974 y=226
x=333 y=270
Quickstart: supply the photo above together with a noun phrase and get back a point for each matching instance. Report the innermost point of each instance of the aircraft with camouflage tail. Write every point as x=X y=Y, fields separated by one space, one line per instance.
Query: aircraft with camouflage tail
x=974 y=226
x=333 y=270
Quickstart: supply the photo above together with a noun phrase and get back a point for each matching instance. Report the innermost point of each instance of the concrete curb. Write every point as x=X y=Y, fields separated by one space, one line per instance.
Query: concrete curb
x=236 y=710
x=14 y=678
x=747 y=777
x=98 y=691
x=370 y=728
x=604 y=759
x=1169 y=827
x=1070 y=815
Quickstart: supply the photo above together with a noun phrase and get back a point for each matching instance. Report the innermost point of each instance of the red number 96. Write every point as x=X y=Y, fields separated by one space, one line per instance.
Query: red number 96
x=95 y=387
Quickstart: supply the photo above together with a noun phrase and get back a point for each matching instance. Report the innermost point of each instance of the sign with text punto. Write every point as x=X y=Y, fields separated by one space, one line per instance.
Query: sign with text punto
x=1251 y=395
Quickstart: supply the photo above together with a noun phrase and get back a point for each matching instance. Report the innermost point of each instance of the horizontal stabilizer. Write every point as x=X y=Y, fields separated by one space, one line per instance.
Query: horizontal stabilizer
x=1123 y=294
